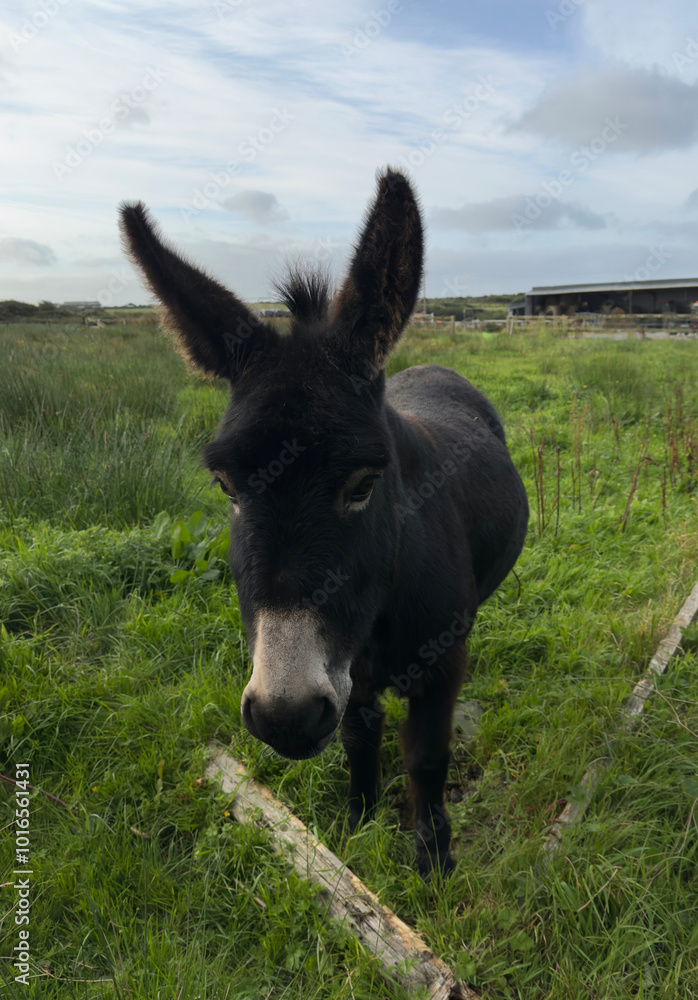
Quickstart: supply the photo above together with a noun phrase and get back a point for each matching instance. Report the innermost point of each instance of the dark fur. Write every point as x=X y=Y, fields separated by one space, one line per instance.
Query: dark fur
x=411 y=561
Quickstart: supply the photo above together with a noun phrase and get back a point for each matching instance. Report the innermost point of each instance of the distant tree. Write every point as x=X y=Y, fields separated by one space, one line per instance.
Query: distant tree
x=12 y=311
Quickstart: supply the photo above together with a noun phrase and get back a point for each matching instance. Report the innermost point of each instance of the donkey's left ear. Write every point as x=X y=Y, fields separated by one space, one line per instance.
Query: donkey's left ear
x=215 y=330
x=381 y=289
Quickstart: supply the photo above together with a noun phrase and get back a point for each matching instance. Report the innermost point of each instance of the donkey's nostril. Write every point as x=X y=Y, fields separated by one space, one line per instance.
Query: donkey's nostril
x=247 y=716
x=328 y=719
x=313 y=721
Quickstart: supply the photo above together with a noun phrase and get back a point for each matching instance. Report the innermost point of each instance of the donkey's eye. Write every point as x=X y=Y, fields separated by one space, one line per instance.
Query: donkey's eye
x=363 y=490
x=358 y=495
x=226 y=488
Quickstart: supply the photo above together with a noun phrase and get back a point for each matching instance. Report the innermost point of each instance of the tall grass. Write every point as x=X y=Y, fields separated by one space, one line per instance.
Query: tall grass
x=114 y=675
x=100 y=426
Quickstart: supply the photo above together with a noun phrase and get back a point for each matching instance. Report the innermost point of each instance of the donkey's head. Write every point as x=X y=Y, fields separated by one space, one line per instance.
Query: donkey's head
x=304 y=452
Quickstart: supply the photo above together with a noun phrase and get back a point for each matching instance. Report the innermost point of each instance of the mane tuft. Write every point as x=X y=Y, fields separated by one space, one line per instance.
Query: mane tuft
x=306 y=292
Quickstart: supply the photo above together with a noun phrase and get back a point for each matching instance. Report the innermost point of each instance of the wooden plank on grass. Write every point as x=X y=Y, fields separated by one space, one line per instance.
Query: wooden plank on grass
x=403 y=955
x=666 y=651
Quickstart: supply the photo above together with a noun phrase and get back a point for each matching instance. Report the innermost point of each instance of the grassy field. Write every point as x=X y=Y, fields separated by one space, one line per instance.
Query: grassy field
x=482 y=307
x=122 y=654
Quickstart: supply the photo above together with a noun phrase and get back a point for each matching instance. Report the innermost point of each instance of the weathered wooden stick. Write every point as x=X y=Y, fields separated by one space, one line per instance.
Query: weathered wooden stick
x=667 y=649
x=403 y=955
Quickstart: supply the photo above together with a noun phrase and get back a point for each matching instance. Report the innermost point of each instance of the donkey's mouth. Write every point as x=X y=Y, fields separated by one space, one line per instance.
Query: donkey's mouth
x=291 y=737
x=291 y=749
x=303 y=753
x=294 y=726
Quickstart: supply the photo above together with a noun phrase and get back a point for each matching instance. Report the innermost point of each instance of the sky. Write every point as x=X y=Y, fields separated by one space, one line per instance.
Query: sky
x=550 y=141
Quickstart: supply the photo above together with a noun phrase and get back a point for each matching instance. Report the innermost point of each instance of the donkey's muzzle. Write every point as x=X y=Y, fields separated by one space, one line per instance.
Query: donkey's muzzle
x=298 y=731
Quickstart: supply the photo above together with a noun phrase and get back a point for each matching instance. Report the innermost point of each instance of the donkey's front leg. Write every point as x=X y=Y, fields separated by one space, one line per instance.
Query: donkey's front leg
x=362 y=730
x=425 y=740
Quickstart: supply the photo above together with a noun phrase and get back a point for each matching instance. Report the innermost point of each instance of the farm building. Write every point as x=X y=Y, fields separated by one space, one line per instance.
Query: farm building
x=674 y=295
x=87 y=304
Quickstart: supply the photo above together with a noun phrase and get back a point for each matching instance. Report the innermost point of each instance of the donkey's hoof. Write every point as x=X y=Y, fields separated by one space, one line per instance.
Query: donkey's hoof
x=430 y=865
x=355 y=819
x=359 y=814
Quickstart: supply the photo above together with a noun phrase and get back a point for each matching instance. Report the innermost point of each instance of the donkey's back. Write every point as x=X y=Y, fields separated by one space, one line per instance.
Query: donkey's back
x=465 y=431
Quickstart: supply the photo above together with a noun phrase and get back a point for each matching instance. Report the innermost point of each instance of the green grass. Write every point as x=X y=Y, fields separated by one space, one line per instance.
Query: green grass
x=113 y=677
x=481 y=307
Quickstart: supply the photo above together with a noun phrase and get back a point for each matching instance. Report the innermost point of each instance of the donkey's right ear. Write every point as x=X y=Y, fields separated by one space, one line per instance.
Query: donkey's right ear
x=380 y=291
x=215 y=330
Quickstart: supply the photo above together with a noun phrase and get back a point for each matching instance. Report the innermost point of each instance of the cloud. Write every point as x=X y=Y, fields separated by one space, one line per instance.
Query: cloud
x=661 y=112
x=481 y=272
x=27 y=253
x=114 y=261
x=684 y=230
x=229 y=65
x=481 y=217
x=641 y=32
x=260 y=207
x=691 y=202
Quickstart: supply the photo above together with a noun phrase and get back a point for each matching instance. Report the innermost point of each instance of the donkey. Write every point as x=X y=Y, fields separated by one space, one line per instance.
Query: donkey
x=369 y=517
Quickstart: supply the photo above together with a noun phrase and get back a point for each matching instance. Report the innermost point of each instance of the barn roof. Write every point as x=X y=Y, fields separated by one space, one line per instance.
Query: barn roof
x=609 y=286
